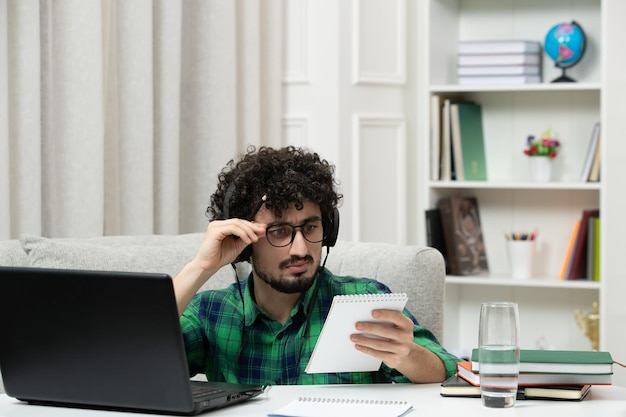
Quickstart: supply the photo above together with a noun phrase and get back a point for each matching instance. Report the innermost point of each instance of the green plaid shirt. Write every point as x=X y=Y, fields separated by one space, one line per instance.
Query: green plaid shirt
x=263 y=351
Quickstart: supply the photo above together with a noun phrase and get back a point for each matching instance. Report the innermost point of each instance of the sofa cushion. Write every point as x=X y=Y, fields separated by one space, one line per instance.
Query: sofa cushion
x=416 y=270
x=153 y=253
x=12 y=254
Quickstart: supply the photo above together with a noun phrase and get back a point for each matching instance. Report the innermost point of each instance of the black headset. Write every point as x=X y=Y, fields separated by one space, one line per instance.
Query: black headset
x=331 y=226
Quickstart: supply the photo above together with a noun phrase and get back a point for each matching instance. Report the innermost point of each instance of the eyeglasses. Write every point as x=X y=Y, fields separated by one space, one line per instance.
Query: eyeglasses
x=281 y=235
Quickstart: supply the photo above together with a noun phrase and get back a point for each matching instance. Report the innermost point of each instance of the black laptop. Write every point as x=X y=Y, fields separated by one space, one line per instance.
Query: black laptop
x=104 y=340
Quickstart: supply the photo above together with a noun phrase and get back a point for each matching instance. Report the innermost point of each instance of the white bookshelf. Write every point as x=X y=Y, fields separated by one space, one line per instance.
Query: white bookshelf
x=509 y=200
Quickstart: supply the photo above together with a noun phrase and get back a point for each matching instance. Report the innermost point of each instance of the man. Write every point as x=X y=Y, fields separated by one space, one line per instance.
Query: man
x=276 y=208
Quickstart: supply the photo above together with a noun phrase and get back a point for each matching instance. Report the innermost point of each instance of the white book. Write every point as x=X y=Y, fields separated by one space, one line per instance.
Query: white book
x=457 y=150
x=500 y=59
x=499 y=47
x=446 y=142
x=334 y=351
x=440 y=152
x=503 y=79
x=500 y=70
x=435 y=136
x=594 y=175
x=591 y=152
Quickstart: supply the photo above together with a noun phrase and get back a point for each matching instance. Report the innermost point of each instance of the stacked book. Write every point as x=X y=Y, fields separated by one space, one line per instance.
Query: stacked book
x=499 y=62
x=549 y=374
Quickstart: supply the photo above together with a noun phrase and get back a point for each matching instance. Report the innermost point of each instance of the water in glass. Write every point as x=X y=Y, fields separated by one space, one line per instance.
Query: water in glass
x=499 y=370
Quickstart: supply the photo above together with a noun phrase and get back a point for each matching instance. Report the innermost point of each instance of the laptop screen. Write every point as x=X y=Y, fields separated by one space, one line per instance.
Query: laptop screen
x=94 y=338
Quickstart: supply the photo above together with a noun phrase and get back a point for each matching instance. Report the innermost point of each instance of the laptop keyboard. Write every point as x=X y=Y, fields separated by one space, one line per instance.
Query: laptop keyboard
x=200 y=392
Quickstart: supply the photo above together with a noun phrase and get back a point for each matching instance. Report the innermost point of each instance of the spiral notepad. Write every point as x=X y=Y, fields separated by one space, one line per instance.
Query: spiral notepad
x=334 y=352
x=321 y=406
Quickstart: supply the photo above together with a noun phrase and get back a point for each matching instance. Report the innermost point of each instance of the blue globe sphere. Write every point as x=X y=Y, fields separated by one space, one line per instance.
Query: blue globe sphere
x=565 y=44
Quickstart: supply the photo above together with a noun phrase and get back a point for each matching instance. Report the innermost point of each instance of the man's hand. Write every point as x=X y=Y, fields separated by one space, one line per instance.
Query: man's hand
x=394 y=345
x=394 y=340
x=225 y=239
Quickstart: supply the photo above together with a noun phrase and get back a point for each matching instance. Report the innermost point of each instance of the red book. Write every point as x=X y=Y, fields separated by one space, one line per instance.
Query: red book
x=526 y=379
x=578 y=269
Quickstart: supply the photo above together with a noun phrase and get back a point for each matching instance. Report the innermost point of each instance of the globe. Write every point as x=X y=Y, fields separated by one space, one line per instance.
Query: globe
x=565 y=44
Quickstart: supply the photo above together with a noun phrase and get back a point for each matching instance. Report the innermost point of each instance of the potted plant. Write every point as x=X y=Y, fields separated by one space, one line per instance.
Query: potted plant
x=542 y=151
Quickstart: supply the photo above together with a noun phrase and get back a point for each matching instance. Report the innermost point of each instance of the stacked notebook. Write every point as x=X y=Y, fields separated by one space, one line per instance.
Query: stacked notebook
x=456 y=386
x=544 y=374
x=499 y=62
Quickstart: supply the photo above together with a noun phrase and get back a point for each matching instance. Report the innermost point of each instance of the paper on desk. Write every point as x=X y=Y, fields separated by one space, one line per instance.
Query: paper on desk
x=328 y=407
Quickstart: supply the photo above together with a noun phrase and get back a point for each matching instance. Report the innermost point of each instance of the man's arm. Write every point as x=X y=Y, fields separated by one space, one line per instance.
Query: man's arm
x=223 y=241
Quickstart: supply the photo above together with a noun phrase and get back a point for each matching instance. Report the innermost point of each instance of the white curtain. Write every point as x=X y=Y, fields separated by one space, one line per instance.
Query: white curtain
x=116 y=116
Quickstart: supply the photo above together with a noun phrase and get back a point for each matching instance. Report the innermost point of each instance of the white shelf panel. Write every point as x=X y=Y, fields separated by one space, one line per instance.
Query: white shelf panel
x=504 y=88
x=532 y=282
x=515 y=185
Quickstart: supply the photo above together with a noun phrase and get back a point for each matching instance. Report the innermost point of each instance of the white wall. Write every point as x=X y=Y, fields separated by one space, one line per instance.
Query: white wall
x=348 y=94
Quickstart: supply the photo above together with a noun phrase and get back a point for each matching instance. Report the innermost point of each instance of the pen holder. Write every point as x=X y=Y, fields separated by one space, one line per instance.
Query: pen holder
x=521 y=256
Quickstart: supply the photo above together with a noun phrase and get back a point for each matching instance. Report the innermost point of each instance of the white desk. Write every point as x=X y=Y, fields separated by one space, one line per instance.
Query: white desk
x=602 y=401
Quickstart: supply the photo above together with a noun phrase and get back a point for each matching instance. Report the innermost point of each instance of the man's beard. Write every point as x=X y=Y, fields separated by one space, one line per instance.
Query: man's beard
x=288 y=286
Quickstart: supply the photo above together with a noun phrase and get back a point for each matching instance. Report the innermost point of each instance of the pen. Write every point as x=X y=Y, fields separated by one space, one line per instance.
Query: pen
x=521 y=236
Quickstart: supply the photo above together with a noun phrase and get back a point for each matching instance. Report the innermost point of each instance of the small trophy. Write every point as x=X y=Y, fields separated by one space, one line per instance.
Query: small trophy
x=589 y=324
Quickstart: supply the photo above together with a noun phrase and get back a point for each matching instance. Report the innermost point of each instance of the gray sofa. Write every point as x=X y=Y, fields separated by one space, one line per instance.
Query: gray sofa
x=418 y=271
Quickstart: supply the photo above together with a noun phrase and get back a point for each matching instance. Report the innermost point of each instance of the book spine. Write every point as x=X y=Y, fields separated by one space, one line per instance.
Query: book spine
x=591 y=243
x=462 y=232
x=435 y=137
x=457 y=151
x=472 y=141
x=499 y=59
x=594 y=175
x=596 y=266
x=447 y=224
x=488 y=80
x=434 y=234
x=579 y=257
x=591 y=153
x=570 y=248
x=499 y=47
x=446 y=157
x=499 y=70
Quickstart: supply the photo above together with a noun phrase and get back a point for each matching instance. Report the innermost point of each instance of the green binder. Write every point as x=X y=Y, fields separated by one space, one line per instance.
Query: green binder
x=472 y=141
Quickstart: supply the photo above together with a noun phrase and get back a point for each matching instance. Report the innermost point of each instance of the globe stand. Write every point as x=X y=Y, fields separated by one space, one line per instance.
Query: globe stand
x=563 y=78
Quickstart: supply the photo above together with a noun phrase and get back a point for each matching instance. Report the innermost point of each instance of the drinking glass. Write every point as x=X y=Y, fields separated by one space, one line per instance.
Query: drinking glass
x=498 y=353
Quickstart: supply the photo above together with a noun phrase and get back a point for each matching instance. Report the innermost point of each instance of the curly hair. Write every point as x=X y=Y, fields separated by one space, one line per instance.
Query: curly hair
x=283 y=175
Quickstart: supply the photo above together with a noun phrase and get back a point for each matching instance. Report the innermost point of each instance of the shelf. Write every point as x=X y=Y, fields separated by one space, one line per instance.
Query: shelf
x=509 y=200
x=533 y=282
x=517 y=185
x=456 y=88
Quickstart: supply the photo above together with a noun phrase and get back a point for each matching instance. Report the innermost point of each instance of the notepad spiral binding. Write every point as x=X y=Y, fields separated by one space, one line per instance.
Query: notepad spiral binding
x=351 y=298
x=350 y=401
